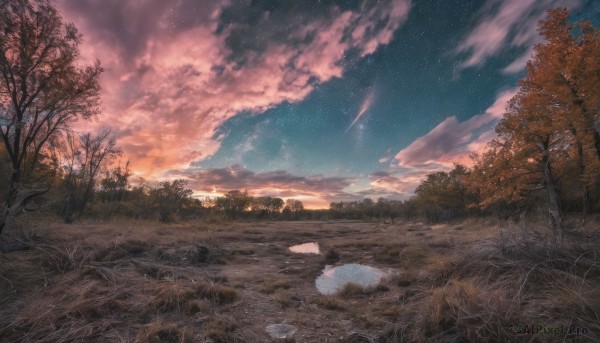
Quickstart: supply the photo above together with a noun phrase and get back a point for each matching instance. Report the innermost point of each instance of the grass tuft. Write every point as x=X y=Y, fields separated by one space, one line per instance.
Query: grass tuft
x=271 y=286
x=160 y=331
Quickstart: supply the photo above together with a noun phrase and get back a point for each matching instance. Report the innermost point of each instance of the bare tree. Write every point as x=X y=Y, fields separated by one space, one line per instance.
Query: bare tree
x=85 y=158
x=42 y=90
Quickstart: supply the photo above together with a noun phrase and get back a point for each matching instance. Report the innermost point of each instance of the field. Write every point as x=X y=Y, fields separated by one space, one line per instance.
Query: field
x=133 y=281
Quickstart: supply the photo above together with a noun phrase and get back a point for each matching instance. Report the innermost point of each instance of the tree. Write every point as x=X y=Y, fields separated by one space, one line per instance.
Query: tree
x=550 y=124
x=444 y=195
x=293 y=207
x=276 y=205
x=240 y=201
x=42 y=91
x=85 y=156
x=366 y=208
x=115 y=183
x=266 y=205
x=234 y=203
x=492 y=180
x=532 y=146
x=170 y=197
x=565 y=75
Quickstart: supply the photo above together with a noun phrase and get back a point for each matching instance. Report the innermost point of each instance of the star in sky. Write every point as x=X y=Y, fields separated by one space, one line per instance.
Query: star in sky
x=321 y=101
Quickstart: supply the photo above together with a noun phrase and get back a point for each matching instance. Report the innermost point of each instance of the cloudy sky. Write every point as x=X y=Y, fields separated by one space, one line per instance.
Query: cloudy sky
x=316 y=100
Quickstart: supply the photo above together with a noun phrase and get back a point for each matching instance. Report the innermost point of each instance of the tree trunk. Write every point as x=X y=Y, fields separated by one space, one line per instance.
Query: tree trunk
x=587 y=202
x=586 y=199
x=554 y=208
x=9 y=210
x=7 y=219
x=15 y=201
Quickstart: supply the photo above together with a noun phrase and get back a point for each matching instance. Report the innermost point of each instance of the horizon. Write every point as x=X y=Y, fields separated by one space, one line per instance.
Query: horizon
x=334 y=101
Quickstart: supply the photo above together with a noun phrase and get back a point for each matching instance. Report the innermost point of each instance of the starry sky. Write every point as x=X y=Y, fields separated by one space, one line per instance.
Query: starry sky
x=315 y=100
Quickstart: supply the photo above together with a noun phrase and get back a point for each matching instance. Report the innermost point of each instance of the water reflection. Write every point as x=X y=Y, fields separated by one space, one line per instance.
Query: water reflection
x=306 y=248
x=281 y=331
x=334 y=279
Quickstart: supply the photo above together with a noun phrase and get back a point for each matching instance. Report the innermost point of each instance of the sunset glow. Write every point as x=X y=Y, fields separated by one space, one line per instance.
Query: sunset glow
x=259 y=97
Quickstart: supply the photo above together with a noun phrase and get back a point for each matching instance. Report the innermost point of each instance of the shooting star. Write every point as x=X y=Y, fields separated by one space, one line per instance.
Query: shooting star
x=364 y=107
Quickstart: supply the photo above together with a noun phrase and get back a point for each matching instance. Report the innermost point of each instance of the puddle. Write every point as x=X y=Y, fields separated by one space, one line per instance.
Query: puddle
x=334 y=279
x=281 y=331
x=306 y=248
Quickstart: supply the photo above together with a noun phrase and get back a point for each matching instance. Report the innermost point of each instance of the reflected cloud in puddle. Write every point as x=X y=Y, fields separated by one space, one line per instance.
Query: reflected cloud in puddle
x=306 y=248
x=334 y=279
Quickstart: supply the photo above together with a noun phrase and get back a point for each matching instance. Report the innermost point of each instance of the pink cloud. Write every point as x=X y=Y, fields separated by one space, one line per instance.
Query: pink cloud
x=519 y=63
x=507 y=23
x=315 y=190
x=174 y=75
x=398 y=182
x=384 y=181
x=452 y=141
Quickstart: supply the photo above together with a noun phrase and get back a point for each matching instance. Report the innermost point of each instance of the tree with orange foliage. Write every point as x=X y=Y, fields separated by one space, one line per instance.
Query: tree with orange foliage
x=565 y=76
x=551 y=124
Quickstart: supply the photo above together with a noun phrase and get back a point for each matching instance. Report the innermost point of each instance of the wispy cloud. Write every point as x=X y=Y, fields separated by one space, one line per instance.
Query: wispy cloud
x=176 y=71
x=398 y=182
x=506 y=24
x=279 y=183
x=385 y=182
x=452 y=141
x=519 y=63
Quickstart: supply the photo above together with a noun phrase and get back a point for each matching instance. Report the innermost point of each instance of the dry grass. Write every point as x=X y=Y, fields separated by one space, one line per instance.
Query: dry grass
x=285 y=299
x=270 y=286
x=160 y=331
x=483 y=291
x=79 y=291
x=353 y=290
x=468 y=309
x=221 y=329
x=404 y=278
x=131 y=282
x=389 y=253
x=328 y=303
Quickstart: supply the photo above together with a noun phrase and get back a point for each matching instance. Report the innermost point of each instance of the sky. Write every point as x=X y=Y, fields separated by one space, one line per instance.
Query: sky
x=318 y=100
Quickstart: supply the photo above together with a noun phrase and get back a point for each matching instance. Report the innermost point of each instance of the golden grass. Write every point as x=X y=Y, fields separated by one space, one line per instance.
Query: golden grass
x=78 y=290
x=220 y=329
x=404 y=277
x=131 y=282
x=483 y=291
x=331 y=303
x=160 y=331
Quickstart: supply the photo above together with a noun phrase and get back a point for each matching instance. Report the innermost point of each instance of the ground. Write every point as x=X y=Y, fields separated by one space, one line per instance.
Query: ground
x=140 y=281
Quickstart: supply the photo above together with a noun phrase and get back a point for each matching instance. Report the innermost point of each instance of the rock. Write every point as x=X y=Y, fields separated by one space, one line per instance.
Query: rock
x=281 y=331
